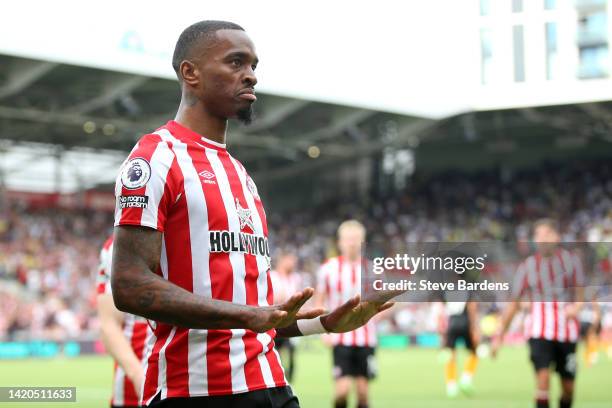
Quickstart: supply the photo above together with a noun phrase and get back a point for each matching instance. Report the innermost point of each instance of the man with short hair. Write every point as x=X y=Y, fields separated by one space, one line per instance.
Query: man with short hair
x=339 y=279
x=191 y=244
x=552 y=280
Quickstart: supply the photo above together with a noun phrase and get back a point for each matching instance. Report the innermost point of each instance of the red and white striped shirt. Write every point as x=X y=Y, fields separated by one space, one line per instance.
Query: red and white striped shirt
x=135 y=330
x=549 y=283
x=215 y=245
x=340 y=280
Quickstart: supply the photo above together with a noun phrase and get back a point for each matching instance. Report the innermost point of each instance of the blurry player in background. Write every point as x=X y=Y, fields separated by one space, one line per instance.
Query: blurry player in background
x=124 y=336
x=462 y=324
x=286 y=281
x=338 y=280
x=552 y=279
x=590 y=330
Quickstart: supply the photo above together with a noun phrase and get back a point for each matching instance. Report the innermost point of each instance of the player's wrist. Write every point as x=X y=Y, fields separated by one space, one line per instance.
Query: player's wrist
x=326 y=323
x=250 y=318
x=311 y=326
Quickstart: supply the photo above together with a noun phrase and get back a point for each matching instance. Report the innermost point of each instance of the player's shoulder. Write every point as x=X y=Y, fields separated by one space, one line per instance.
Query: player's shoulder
x=239 y=165
x=529 y=260
x=147 y=140
x=148 y=143
x=330 y=263
x=150 y=151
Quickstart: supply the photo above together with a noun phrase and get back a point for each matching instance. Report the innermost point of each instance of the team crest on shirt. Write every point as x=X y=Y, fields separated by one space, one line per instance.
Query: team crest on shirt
x=244 y=216
x=136 y=173
x=252 y=187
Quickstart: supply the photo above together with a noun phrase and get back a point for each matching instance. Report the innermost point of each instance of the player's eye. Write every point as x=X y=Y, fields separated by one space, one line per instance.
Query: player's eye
x=236 y=62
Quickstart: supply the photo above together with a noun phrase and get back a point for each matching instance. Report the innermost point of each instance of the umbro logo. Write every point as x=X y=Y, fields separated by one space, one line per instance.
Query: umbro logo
x=207 y=177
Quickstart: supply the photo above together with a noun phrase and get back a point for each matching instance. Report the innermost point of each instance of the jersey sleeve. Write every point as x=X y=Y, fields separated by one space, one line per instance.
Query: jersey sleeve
x=103 y=277
x=147 y=185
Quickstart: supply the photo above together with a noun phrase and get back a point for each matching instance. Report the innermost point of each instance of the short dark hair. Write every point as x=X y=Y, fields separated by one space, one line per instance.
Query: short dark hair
x=192 y=34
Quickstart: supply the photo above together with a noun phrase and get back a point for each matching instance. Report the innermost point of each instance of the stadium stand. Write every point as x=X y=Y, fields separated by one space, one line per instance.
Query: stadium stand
x=50 y=255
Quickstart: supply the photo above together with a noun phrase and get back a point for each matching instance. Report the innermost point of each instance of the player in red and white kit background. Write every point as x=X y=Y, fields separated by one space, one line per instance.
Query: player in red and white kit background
x=286 y=280
x=339 y=279
x=124 y=336
x=552 y=280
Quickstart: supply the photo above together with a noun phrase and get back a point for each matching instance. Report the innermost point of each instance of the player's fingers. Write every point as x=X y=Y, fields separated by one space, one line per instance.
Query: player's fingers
x=291 y=302
x=349 y=305
x=296 y=301
x=383 y=296
x=310 y=314
x=385 y=306
x=306 y=294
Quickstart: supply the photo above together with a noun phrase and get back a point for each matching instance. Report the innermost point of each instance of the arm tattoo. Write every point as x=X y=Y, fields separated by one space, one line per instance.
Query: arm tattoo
x=138 y=290
x=146 y=299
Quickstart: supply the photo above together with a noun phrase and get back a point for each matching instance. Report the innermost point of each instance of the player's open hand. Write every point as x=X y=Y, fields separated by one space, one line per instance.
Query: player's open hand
x=381 y=296
x=285 y=314
x=352 y=314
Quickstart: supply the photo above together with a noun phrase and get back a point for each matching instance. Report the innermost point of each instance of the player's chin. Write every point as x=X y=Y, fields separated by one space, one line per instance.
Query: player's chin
x=243 y=104
x=244 y=114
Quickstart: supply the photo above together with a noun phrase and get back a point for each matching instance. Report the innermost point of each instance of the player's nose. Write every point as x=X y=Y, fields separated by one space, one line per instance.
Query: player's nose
x=249 y=78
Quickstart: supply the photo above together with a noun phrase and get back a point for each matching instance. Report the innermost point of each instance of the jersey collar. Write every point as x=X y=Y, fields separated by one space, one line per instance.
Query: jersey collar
x=183 y=132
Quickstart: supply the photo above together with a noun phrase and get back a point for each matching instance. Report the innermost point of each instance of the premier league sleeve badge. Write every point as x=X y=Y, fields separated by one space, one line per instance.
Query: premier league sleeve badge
x=136 y=173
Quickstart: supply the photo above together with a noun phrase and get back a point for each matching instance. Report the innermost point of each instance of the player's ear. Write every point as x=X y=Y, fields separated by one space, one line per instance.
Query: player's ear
x=189 y=73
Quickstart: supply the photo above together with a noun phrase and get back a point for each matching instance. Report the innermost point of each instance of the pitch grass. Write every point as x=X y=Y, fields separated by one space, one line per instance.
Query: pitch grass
x=407 y=378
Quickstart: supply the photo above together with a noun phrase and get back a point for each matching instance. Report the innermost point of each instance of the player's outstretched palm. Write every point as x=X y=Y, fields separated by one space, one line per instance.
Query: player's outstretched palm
x=285 y=314
x=352 y=314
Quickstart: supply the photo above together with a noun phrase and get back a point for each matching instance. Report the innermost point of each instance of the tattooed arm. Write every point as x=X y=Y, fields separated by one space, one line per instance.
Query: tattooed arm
x=138 y=290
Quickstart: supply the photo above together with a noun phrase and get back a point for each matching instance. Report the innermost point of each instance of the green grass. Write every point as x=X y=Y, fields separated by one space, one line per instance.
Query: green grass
x=411 y=377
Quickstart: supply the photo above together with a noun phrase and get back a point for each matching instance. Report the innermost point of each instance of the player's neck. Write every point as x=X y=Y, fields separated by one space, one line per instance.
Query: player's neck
x=351 y=258
x=196 y=118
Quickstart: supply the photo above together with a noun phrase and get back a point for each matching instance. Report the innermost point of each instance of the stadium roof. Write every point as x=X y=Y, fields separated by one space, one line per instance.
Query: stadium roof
x=106 y=112
x=98 y=115
x=329 y=93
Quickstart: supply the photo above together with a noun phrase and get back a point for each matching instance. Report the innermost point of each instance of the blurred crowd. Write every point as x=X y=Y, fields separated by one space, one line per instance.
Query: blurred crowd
x=49 y=258
x=455 y=206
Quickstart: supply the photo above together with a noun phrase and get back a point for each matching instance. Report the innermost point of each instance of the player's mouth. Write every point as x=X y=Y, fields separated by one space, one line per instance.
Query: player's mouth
x=247 y=94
